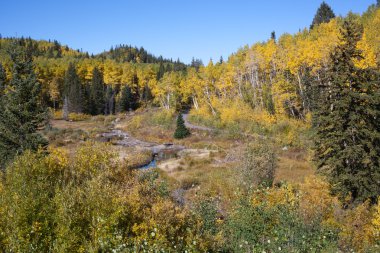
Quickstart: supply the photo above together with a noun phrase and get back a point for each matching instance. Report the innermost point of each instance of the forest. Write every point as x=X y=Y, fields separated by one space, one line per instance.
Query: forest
x=280 y=145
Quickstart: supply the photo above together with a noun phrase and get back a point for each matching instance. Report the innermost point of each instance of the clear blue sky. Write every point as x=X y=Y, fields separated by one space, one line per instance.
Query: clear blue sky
x=175 y=29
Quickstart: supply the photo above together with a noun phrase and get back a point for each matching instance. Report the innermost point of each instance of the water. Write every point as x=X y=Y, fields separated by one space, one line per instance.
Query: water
x=163 y=155
x=152 y=164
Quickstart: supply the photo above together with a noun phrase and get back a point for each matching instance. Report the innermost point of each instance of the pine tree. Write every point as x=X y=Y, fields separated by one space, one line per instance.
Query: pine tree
x=3 y=77
x=347 y=121
x=273 y=36
x=97 y=93
x=161 y=71
x=126 y=100
x=73 y=90
x=181 y=130
x=324 y=15
x=21 y=111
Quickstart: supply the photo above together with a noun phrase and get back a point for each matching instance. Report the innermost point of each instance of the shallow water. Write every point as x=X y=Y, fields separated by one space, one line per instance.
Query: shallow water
x=152 y=164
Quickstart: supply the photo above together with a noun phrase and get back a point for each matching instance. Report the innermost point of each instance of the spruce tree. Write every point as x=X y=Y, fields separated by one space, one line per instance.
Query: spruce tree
x=347 y=121
x=324 y=15
x=73 y=90
x=161 y=71
x=97 y=93
x=273 y=36
x=181 y=130
x=21 y=111
x=3 y=77
x=126 y=100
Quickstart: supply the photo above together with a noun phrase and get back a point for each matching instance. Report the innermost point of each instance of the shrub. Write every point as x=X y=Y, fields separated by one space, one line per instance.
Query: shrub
x=164 y=118
x=135 y=123
x=57 y=114
x=89 y=203
x=357 y=229
x=259 y=165
x=258 y=224
x=79 y=116
x=376 y=222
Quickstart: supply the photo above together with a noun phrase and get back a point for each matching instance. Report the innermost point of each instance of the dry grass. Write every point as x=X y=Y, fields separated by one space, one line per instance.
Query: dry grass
x=212 y=174
x=294 y=166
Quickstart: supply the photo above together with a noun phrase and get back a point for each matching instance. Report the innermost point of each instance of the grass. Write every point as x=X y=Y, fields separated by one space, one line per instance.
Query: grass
x=213 y=175
x=294 y=166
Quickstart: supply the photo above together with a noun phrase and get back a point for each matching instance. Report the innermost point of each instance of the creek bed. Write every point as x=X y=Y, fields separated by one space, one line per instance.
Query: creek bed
x=159 y=151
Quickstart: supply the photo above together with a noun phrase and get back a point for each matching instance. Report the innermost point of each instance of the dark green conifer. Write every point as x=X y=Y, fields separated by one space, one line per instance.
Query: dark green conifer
x=273 y=36
x=73 y=90
x=97 y=93
x=347 y=121
x=21 y=111
x=161 y=71
x=3 y=77
x=324 y=15
x=126 y=99
x=181 y=130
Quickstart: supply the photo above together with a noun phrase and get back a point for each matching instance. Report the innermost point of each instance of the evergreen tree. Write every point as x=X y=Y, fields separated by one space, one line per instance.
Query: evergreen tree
x=73 y=90
x=97 y=93
x=161 y=71
x=21 y=111
x=347 y=121
x=146 y=94
x=324 y=15
x=126 y=99
x=273 y=36
x=181 y=130
x=3 y=77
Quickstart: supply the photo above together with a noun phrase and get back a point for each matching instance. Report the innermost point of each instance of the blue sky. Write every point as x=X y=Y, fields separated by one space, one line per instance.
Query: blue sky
x=173 y=28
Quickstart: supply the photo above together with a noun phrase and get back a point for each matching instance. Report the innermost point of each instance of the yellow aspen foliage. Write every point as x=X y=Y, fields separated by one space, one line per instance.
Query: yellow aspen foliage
x=83 y=70
x=191 y=87
x=145 y=75
x=369 y=56
x=316 y=202
x=286 y=195
x=356 y=231
x=376 y=221
x=166 y=90
x=233 y=111
x=321 y=41
x=93 y=157
x=58 y=159
x=128 y=72
x=372 y=33
x=112 y=72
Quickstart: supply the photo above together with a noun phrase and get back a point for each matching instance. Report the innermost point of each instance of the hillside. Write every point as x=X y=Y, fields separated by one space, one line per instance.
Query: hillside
x=276 y=149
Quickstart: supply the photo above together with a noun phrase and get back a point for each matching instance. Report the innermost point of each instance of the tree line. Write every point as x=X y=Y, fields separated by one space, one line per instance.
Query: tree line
x=330 y=71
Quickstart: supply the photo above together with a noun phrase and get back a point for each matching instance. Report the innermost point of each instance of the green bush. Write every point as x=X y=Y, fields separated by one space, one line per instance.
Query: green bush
x=89 y=203
x=164 y=118
x=259 y=165
x=278 y=228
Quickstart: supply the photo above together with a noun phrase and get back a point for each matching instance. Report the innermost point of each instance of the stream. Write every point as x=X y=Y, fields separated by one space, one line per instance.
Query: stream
x=160 y=151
